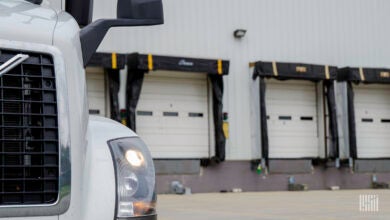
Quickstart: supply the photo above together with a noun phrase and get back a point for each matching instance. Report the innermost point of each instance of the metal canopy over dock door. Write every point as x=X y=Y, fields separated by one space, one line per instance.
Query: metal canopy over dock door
x=372 y=116
x=96 y=90
x=292 y=119
x=173 y=115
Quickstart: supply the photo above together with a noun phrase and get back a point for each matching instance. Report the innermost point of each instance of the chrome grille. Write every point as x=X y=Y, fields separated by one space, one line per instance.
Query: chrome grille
x=29 y=156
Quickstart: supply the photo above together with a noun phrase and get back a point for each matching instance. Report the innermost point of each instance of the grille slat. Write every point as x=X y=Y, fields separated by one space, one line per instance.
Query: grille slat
x=35 y=140
x=29 y=155
x=26 y=114
x=30 y=76
x=27 y=166
x=13 y=91
x=29 y=179
x=24 y=192
x=31 y=127
x=24 y=101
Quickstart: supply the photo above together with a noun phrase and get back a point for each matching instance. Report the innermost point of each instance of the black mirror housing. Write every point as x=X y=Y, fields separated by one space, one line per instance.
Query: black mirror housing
x=129 y=12
x=81 y=10
x=140 y=9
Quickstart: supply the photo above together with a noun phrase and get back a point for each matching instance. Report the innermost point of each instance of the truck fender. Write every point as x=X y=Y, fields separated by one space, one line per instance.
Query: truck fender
x=99 y=195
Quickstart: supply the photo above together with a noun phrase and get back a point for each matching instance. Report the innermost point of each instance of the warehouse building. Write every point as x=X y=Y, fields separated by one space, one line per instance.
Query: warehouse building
x=253 y=94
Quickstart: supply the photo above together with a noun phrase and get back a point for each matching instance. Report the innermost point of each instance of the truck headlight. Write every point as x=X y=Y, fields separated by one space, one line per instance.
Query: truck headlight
x=135 y=158
x=135 y=177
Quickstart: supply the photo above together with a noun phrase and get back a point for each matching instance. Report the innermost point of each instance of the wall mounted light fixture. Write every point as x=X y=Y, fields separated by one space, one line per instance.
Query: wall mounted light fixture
x=239 y=33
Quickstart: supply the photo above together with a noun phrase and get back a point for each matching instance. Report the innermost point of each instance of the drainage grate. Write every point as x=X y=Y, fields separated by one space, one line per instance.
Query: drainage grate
x=29 y=157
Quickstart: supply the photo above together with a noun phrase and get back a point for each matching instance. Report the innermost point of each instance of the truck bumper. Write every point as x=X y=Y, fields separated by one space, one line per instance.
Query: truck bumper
x=149 y=217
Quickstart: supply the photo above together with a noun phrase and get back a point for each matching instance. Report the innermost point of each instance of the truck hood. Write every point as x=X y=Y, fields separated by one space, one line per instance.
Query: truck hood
x=24 y=21
x=111 y=129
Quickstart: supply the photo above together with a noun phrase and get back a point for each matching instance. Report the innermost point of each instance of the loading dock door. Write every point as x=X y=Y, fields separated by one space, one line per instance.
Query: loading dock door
x=172 y=115
x=292 y=119
x=96 y=91
x=372 y=117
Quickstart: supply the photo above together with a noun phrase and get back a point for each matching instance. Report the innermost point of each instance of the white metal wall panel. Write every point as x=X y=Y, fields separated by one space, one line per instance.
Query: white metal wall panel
x=56 y=4
x=372 y=117
x=334 y=32
x=172 y=115
x=96 y=90
x=293 y=121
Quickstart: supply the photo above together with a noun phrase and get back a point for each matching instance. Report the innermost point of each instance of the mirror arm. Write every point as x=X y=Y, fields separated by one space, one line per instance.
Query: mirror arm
x=92 y=35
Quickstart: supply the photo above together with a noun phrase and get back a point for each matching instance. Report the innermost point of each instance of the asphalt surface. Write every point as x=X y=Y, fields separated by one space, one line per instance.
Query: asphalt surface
x=340 y=204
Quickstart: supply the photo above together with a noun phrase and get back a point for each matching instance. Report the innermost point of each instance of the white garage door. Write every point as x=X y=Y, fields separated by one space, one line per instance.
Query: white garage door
x=96 y=91
x=172 y=115
x=372 y=117
x=292 y=119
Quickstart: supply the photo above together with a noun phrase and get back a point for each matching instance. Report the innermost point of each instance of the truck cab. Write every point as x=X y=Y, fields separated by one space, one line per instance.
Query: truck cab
x=56 y=161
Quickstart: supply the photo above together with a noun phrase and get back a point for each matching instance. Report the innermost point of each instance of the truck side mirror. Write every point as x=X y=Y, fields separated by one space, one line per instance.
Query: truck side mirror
x=129 y=13
x=140 y=9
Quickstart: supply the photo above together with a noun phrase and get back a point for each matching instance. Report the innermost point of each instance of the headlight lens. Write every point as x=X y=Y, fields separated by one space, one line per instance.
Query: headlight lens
x=135 y=177
x=135 y=158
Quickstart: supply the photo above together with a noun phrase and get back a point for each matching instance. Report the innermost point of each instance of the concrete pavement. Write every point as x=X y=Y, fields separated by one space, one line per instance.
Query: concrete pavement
x=343 y=204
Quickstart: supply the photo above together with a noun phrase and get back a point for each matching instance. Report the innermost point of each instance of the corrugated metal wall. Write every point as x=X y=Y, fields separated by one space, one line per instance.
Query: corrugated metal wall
x=342 y=33
x=57 y=4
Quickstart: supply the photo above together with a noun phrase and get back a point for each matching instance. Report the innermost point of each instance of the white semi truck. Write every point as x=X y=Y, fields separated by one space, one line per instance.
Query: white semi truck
x=56 y=161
